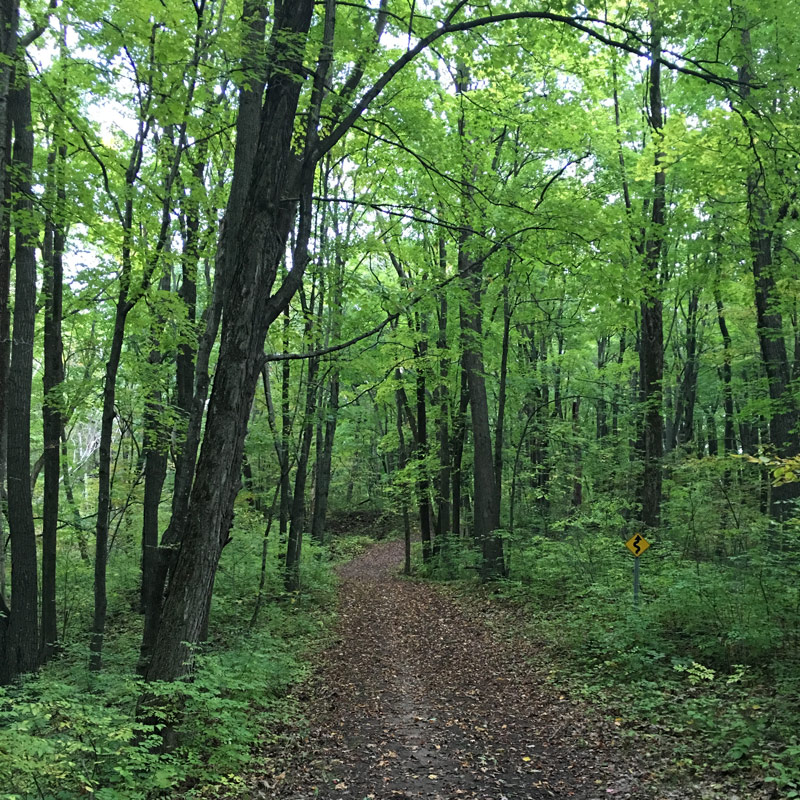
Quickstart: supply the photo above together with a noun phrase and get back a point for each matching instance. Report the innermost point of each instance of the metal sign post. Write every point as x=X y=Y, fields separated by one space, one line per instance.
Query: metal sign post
x=636 y=583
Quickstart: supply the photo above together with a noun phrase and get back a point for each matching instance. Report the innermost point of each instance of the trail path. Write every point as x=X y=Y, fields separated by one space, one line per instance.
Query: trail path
x=416 y=698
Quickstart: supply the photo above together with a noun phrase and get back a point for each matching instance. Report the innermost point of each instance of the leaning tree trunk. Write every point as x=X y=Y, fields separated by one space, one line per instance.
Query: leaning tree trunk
x=260 y=218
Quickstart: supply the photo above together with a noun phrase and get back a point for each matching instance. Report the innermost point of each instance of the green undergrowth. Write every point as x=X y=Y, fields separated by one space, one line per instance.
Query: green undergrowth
x=346 y=548
x=68 y=734
x=707 y=665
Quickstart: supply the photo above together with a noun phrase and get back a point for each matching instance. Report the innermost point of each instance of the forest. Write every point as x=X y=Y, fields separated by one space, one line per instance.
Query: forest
x=501 y=285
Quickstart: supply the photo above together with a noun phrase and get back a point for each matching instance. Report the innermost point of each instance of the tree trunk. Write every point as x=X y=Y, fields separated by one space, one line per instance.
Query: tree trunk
x=651 y=345
x=457 y=449
x=19 y=626
x=155 y=466
x=443 y=410
x=421 y=448
x=325 y=453
x=298 y=517
x=486 y=520
x=729 y=436
x=683 y=424
x=286 y=433
x=260 y=217
x=499 y=428
x=763 y=221
x=402 y=461
x=52 y=419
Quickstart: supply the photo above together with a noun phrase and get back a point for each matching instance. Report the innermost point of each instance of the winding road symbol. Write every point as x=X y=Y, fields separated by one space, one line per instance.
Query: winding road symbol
x=637 y=544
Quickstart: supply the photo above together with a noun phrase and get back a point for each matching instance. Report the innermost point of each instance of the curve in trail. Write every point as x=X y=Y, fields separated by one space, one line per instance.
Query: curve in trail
x=417 y=699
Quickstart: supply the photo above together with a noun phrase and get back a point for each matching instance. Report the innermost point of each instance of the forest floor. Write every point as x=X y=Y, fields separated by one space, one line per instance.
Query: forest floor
x=416 y=697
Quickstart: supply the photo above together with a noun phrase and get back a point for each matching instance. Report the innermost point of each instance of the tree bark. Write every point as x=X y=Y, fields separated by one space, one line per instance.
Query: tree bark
x=651 y=346
x=443 y=409
x=52 y=413
x=729 y=436
x=763 y=221
x=260 y=216
x=683 y=424
x=19 y=625
x=499 y=428
x=298 y=516
x=155 y=466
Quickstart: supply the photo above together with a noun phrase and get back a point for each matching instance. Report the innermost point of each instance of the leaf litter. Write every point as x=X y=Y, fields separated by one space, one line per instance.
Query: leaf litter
x=416 y=698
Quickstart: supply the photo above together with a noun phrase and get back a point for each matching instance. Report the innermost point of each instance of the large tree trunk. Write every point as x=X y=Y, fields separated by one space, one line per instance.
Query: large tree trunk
x=19 y=626
x=260 y=218
x=9 y=13
x=5 y=358
x=486 y=520
x=763 y=221
x=486 y=511
x=182 y=484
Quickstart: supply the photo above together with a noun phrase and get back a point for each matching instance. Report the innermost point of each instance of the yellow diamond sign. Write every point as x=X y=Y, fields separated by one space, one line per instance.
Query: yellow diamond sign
x=637 y=544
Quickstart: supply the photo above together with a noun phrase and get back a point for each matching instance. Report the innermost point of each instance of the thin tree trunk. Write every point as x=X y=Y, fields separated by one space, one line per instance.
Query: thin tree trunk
x=52 y=419
x=601 y=406
x=402 y=461
x=683 y=424
x=286 y=432
x=457 y=449
x=298 y=516
x=729 y=436
x=421 y=448
x=325 y=453
x=155 y=466
x=499 y=428
x=443 y=407
x=577 y=481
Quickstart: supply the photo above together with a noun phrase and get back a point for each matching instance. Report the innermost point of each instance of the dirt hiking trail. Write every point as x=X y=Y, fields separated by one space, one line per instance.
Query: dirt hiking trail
x=416 y=698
